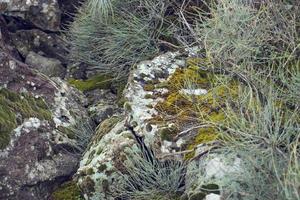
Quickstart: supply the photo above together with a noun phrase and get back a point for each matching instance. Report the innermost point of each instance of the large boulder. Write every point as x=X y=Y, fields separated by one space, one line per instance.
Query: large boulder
x=160 y=114
x=38 y=147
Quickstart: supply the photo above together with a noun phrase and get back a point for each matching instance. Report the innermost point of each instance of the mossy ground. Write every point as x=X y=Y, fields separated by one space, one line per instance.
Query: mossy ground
x=67 y=191
x=15 y=108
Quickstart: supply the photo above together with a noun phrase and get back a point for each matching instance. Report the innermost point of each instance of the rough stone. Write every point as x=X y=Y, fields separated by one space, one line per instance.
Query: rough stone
x=48 y=66
x=46 y=44
x=39 y=155
x=44 y=14
x=102 y=104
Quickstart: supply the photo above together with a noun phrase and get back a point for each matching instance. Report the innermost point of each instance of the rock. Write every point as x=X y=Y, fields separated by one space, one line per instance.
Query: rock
x=213 y=197
x=211 y=173
x=45 y=44
x=105 y=156
x=102 y=104
x=37 y=150
x=48 y=66
x=158 y=113
x=44 y=14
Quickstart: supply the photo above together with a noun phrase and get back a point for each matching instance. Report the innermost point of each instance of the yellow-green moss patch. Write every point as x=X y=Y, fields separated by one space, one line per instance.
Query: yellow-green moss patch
x=204 y=135
x=15 y=108
x=96 y=82
x=68 y=191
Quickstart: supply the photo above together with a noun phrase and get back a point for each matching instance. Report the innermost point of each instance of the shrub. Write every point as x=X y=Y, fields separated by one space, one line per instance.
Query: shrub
x=239 y=33
x=111 y=36
x=147 y=178
x=265 y=135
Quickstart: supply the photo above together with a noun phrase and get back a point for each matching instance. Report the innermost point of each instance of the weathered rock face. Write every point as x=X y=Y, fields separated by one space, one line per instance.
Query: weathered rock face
x=160 y=113
x=102 y=104
x=45 y=44
x=36 y=150
x=44 y=14
x=48 y=66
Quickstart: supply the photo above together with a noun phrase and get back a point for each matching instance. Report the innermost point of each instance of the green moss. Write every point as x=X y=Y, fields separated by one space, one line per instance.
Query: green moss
x=204 y=135
x=127 y=106
x=148 y=96
x=193 y=75
x=210 y=188
x=121 y=101
x=102 y=167
x=105 y=127
x=149 y=87
x=95 y=82
x=99 y=151
x=15 y=108
x=67 y=191
x=167 y=133
x=90 y=171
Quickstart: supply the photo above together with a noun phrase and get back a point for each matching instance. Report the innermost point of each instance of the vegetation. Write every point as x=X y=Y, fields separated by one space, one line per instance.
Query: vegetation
x=95 y=82
x=80 y=133
x=249 y=65
x=147 y=178
x=257 y=45
x=111 y=36
x=67 y=191
x=15 y=109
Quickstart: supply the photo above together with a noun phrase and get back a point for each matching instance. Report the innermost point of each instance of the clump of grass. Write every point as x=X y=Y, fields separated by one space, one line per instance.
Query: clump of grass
x=271 y=131
x=236 y=32
x=80 y=134
x=111 y=36
x=147 y=178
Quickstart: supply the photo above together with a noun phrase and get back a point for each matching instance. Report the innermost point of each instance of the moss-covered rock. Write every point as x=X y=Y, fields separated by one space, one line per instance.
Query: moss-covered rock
x=206 y=106
x=204 y=135
x=67 y=191
x=105 y=127
x=14 y=108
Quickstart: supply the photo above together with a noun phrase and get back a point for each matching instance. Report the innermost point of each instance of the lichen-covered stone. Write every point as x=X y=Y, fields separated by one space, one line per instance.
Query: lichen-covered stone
x=104 y=157
x=45 y=14
x=160 y=105
x=35 y=156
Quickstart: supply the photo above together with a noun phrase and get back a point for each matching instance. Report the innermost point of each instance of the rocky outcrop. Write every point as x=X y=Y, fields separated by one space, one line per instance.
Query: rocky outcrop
x=159 y=114
x=38 y=148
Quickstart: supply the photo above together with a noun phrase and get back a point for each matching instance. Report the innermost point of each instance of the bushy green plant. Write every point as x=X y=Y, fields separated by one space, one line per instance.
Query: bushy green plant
x=265 y=136
x=111 y=36
x=290 y=83
x=237 y=32
x=147 y=178
x=79 y=134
